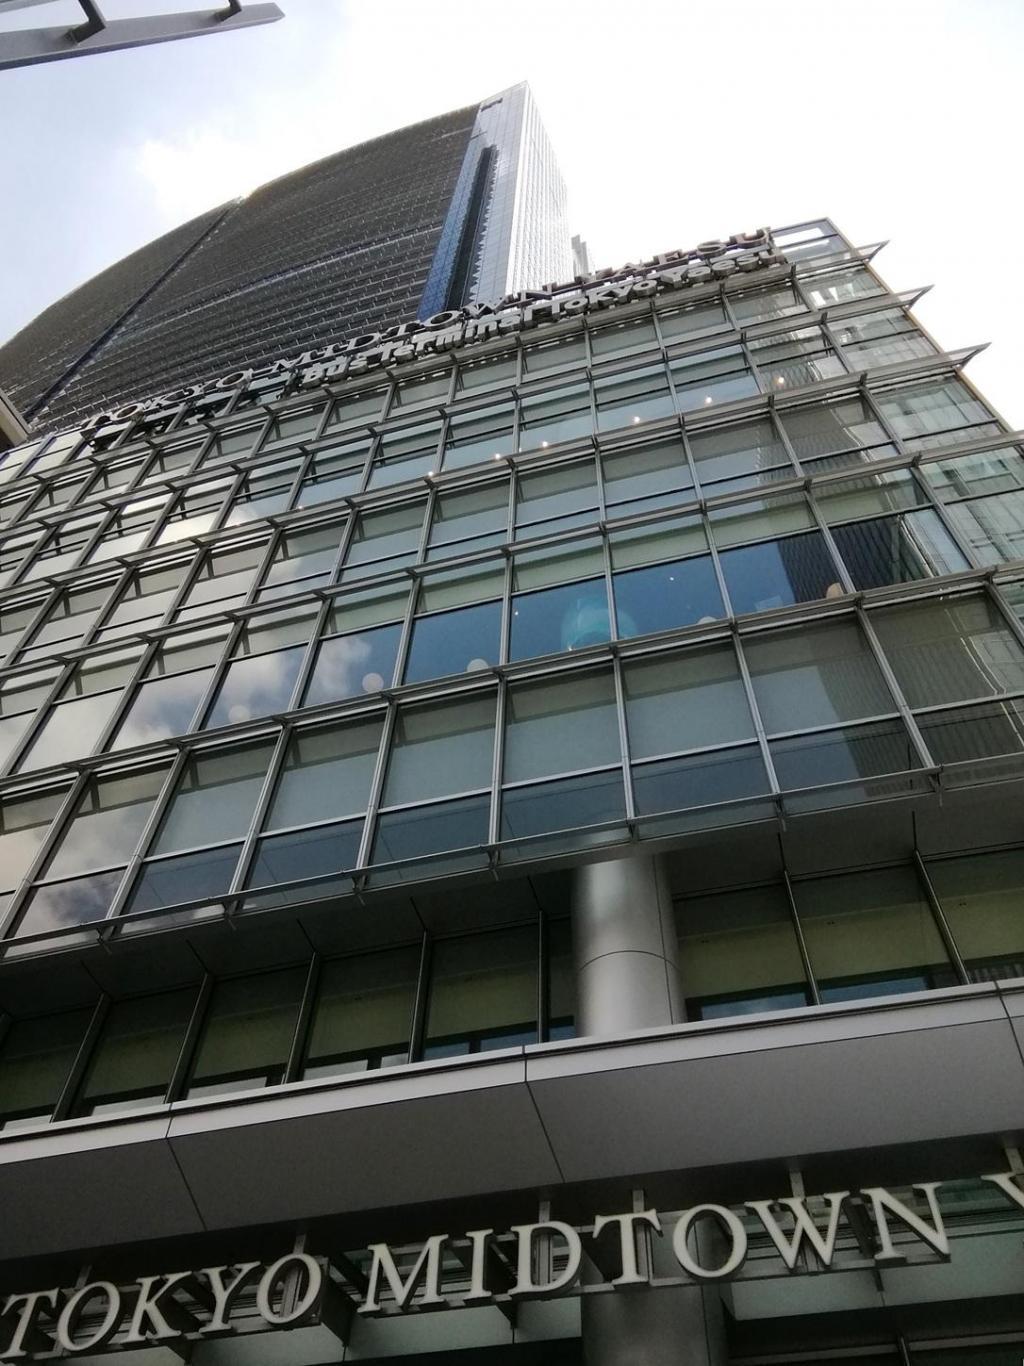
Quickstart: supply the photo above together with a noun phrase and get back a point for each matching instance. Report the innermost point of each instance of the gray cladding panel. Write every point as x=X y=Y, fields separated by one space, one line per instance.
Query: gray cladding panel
x=867 y=1090
x=394 y=1142
x=92 y=1188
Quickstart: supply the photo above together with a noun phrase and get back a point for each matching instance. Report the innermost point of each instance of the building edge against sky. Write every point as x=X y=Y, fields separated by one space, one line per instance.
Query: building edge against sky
x=488 y=795
x=468 y=205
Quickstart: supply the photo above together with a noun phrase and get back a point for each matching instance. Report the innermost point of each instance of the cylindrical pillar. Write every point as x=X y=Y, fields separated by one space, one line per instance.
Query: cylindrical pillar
x=624 y=943
x=627 y=977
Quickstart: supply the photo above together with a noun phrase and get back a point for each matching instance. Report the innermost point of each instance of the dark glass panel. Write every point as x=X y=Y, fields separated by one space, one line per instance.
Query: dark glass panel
x=779 y=573
x=667 y=595
x=567 y=617
x=454 y=642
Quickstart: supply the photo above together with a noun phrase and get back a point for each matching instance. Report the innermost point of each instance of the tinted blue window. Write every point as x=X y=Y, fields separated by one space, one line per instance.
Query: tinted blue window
x=779 y=573
x=454 y=642
x=666 y=595
x=564 y=618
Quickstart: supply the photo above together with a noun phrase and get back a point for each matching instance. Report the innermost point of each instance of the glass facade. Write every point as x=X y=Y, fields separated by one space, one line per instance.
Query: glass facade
x=313 y=705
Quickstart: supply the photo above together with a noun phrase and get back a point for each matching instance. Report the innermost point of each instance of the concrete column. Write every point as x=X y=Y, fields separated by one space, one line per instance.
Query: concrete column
x=624 y=943
x=627 y=977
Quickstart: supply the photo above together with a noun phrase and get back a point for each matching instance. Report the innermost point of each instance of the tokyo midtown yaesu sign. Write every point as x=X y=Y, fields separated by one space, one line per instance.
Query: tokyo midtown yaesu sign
x=300 y=1289
x=710 y=262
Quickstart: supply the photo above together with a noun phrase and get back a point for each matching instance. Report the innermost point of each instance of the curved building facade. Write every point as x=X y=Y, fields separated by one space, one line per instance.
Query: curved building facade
x=381 y=233
x=511 y=841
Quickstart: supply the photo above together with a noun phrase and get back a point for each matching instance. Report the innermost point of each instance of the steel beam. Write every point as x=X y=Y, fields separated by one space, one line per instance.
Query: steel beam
x=29 y=47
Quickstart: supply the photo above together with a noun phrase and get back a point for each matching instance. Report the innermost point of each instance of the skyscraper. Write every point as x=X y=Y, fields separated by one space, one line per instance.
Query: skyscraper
x=467 y=205
x=511 y=841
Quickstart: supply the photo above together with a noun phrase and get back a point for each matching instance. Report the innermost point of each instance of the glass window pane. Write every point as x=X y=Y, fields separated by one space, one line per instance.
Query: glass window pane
x=935 y=413
x=842 y=756
x=353 y=665
x=981 y=472
x=23 y=824
x=424 y=831
x=454 y=642
x=136 y=1052
x=900 y=549
x=556 y=499
x=760 y=517
x=828 y=428
x=729 y=452
x=780 y=573
x=982 y=898
x=186 y=877
x=162 y=707
x=992 y=528
x=555 y=619
x=478 y=516
x=706 y=779
x=667 y=595
x=950 y=650
x=987 y=731
x=644 y=478
x=326 y=774
x=738 y=954
x=214 y=799
x=35 y=1059
x=70 y=731
x=441 y=749
x=363 y=1014
x=107 y=823
x=248 y=1032
x=76 y=901
x=478 y=435
x=557 y=726
x=301 y=855
x=685 y=701
x=566 y=804
x=815 y=677
x=483 y=993
x=256 y=686
x=871 y=934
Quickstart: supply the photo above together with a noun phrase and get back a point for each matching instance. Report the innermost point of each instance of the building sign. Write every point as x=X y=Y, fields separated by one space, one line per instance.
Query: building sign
x=743 y=253
x=299 y=1289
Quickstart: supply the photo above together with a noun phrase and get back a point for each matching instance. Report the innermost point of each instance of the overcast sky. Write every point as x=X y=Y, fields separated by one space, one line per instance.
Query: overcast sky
x=674 y=121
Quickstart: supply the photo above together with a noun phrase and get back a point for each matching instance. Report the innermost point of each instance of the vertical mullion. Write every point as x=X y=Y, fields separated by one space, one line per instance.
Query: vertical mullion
x=755 y=712
x=543 y=983
x=190 y=1043
x=825 y=532
x=801 y=942
x=309 y=655
x=76 y=1076
x=497 y=762
x=421 y=1000
x=377 y=786
x=274 y=766
x=303 y=1022
x=625 y=755
x=939 y=916
x=909 y=720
